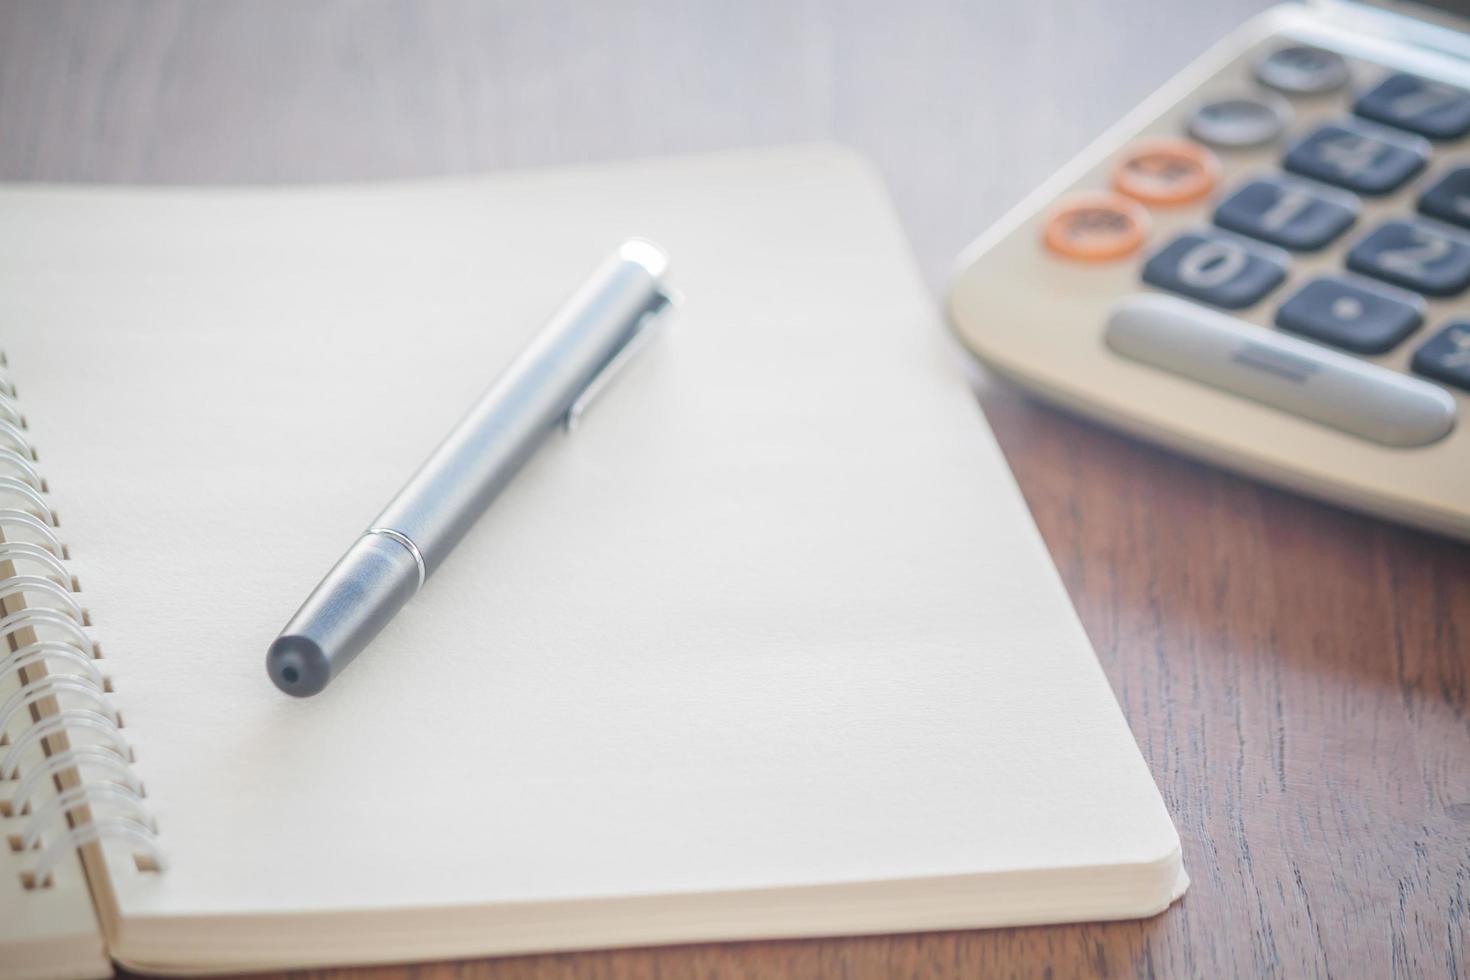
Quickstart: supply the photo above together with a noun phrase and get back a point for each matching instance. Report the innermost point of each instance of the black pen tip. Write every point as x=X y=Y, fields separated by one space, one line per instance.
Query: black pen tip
x=297 y=665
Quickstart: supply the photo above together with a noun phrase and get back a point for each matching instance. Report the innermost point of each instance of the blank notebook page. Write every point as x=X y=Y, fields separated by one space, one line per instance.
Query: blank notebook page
x=775 y=615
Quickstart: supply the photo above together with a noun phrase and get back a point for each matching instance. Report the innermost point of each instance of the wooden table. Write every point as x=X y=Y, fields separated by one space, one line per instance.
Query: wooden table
x=1298 y=677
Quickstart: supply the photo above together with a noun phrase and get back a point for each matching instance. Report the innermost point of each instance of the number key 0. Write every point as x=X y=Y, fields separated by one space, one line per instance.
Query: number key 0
x=1215 y=269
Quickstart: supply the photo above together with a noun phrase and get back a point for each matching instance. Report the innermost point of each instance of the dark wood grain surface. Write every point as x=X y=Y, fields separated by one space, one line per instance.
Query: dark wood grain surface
x=1297 y=676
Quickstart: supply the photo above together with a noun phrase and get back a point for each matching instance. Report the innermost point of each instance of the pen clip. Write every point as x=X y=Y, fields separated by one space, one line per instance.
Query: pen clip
x=643 y=333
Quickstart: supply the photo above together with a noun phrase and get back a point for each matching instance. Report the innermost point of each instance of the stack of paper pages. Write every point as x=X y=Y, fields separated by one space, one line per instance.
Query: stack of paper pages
x=769 y=647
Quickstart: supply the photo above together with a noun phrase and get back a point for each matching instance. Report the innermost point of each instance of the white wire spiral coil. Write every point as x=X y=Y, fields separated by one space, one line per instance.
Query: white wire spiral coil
x=66 y=775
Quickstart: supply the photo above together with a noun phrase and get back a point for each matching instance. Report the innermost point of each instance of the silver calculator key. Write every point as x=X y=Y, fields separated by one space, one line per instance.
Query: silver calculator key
x=1303 y=70
x=1353 y=396
x=1240 y=121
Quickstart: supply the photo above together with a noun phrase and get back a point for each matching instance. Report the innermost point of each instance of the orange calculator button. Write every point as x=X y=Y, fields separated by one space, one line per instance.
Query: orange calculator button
x=1167 y=172
x=1096 y=227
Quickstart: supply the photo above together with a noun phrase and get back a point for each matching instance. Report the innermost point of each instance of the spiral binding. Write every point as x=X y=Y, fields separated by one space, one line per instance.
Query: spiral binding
x=84 y=789
x=20 y=465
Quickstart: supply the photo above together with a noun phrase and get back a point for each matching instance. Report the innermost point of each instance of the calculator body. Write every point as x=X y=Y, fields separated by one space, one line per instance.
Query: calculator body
x=1271 y=297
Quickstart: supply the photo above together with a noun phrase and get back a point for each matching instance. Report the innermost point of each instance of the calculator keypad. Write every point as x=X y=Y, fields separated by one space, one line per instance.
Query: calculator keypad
x=1417 y=105
x=1291 y=214
x=1350 y=157
x=1236 y=327
x=1448 y=198
x=1215 y=269
x=1358 y=317
x=1415 y=256
x=1333 y=171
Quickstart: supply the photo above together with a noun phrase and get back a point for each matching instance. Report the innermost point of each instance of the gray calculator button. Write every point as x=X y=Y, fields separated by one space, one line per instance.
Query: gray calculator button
x=1215 y=269
x=1296 y=376
x=1291 y=214
x=1422 y=106
x=1303 y=70
x=1358 y=316
x=1448 y=199
x=1240 y=121
x=1446 y=356
x=1353 y=157
x=1415 y=256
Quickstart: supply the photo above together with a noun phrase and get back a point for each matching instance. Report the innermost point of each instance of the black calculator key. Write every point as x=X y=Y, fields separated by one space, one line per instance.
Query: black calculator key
x=1414 y=256
x=1429 y=108
x=1351 y=157
x=1354 y=316
x=1288 y=213
x=1448 y=199
x=1446 y=356
x=1215 y=269
x=1303 y=70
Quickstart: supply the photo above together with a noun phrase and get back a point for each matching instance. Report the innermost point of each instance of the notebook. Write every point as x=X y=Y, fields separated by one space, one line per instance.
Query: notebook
x=768 y=647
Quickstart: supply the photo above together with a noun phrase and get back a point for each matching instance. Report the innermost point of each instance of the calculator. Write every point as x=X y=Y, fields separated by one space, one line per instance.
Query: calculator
x=1266 y=265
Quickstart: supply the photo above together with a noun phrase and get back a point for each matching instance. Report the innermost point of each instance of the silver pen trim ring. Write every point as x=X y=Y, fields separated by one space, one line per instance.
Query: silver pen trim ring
x=407 y=542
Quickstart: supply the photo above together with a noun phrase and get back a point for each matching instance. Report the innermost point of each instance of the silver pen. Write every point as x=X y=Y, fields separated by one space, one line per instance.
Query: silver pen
x=550 y=384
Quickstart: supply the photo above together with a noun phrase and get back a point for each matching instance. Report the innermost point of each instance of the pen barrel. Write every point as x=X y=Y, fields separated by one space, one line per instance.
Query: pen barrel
x=529 y=399
x=454 y=486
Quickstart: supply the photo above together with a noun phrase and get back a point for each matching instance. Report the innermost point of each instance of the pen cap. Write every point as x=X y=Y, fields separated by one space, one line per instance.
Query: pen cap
x=357 y=598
